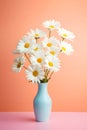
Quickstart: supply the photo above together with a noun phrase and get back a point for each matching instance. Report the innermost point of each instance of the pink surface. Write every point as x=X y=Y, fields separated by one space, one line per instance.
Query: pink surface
x=58 y=121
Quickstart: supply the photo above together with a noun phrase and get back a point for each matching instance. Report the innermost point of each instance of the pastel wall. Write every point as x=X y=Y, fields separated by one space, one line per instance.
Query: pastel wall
x=68 y=88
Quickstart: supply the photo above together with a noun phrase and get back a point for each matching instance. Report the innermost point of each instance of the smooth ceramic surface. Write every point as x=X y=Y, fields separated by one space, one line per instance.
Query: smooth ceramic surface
x=58 y=121
x=42 y=103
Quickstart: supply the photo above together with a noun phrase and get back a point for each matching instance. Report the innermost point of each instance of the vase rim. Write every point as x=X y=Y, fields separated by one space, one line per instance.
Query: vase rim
x=43 y=83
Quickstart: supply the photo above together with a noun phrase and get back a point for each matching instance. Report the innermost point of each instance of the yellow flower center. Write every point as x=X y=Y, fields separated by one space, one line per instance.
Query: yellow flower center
x=52 y=26
x=49 y=44
x=63 y=49
x=39 y=60
x=64 y=35
x=26 y=45
x=50 y=64
x=35 y=73
x=52 y=52
x=35 y=49
x=36 y=35
x=19 y=65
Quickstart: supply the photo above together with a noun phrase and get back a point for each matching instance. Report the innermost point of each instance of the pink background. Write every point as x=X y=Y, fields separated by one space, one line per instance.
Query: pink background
x=68 y=88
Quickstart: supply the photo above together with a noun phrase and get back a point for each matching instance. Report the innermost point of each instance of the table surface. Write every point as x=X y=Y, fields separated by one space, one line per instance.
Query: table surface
x=57 y=121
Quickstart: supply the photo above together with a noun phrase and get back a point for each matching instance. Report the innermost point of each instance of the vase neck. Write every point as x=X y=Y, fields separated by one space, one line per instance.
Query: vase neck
x=42 y=87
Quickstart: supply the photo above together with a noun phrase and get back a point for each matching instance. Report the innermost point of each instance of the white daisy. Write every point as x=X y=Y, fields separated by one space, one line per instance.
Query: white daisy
x=51 y=24
x=52 y=63
x=36 y=47
x=66 y=48
x=65 y=34
x=53 y=51
x=38 y=58
x=50 y=42
x=37 y=33
x=35 y=74
x=18 y=64
x=25 y=45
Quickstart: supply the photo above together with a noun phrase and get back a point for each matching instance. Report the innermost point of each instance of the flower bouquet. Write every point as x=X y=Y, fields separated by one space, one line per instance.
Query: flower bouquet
x=42 y=51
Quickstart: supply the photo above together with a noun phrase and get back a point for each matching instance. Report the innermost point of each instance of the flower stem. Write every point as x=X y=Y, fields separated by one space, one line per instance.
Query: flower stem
x=27 y=57
x=49 y=33
x=51 y=75
x=25 y=67
x=36 y=40
x=47 y=72
x=63 y=39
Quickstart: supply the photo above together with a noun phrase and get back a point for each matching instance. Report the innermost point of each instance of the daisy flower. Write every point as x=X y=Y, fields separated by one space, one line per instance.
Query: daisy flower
x=53 y=51
x=50 y=42
x=36 y=47
x=52 y=63
x=18 y=64
x=38 y=58
x=35 y=74
x=25 y=45
x=37 y=33
x=65 y=34
x=66 y=48
x=51 y=24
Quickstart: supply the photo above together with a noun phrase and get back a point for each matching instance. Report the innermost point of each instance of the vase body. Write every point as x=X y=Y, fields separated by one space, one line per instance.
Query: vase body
x=42 y=103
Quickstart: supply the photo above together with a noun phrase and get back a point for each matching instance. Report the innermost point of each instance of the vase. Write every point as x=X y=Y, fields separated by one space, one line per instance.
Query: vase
x=42 y=103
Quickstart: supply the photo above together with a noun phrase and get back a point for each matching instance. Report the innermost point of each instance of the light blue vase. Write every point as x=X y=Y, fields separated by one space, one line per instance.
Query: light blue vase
x=42 y=103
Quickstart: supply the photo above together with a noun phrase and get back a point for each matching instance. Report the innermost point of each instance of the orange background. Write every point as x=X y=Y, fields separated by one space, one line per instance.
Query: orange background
x=68 y=88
